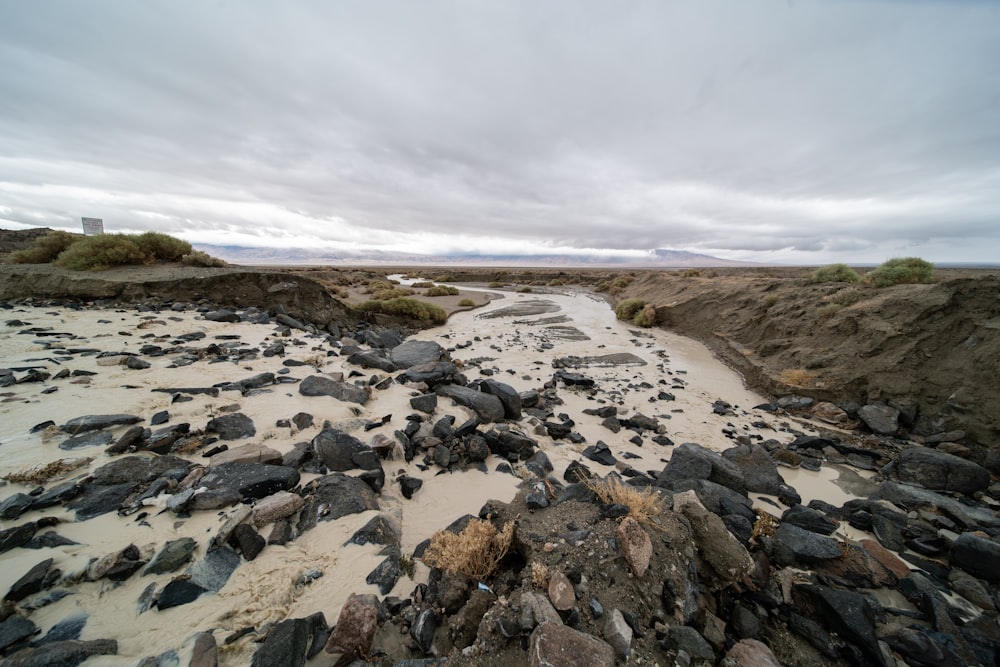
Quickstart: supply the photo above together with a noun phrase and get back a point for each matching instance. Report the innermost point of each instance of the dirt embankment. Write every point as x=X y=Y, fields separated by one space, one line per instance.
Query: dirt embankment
x=236 y=287
x=932 y=348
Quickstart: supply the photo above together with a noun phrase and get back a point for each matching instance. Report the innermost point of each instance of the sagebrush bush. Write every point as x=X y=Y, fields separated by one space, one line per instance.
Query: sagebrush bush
x=834 y=273
x=645 y=317
x=901 y=271
x=441 y=290
x=466 y=303
x=199 y=258
x=496 y=283
x=644 y=505
x=445 y=278
x=845 y=297
x=629 y=308
x=45 y=249
x=97 y=253
x=391 y=293
x=161 y=247
x=404 y=307
x=475 y=552
x=423 y=284
x=614 y=285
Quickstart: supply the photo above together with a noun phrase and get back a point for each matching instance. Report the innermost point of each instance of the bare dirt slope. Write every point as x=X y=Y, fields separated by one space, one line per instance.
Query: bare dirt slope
x=934 y=347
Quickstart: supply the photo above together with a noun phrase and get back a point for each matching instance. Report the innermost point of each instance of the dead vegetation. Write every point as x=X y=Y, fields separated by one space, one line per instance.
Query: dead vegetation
x=47 y=472
x=475 y=552
x=797 y=377
x=644 y=505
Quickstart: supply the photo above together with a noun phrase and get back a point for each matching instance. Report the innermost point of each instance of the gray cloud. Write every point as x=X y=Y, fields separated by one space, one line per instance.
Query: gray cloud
x=808 y=131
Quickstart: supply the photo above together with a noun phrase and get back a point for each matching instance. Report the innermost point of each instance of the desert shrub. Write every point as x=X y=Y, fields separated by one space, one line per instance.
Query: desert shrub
x=97 y=253
x=797 y=377
x=162 y=247
x=45 y=249
x=770 y=299
x=377 y=286
x=404 y=307
x=495 y=284
x=423 y=284
x=644 y=504
x=199 y=258
x=613 y=285
x=391 y=293
x=834 y=273
x=445 y=278
x=691 y=273
x=900 y=271
x=827 y=311
x=466 y=303
x=556 y=282
x=845 y=297
x=441 y=290
x=525 y=290
x=475 y=552
x=629 y=308
x=645 y=317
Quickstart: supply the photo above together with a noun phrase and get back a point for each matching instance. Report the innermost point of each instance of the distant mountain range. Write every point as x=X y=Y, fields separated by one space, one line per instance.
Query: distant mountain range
x=659 y=258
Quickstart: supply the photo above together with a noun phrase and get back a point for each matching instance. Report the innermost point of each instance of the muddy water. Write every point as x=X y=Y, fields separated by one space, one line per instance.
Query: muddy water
x=515 y=340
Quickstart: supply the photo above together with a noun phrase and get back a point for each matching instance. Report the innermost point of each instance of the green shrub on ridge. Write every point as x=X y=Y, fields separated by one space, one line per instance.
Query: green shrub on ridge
x=161 y=247
x=101 y=252
x=835 y=273
x=900 y=271
x=404 y=307
x=629 y=308
x=441 y=290
x=45 y=249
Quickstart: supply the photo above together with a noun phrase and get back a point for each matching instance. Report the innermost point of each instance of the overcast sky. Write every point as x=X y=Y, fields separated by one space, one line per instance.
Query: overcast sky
x=797 y=131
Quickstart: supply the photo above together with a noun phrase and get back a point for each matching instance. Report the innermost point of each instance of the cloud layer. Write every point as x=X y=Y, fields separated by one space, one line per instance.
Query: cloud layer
x=804 y=131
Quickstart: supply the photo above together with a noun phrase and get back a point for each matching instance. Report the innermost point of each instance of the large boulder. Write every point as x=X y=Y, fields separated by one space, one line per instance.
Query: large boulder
x=556 y=645
x=881 y=418
x=96 y=423
x=232 y=427
x=726 y=558
x=797 y=546
x=250 y=480
x=508 y=396
x=758 y=468
x=319 y=385
x=412 y=353
x=692 y=461
x=488 y=407
x=332 y=496
x=978 y=556
x=940 y=471
x=341 y=451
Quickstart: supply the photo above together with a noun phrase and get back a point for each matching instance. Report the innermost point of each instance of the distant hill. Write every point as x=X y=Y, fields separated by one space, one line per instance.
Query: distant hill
x=659 y=258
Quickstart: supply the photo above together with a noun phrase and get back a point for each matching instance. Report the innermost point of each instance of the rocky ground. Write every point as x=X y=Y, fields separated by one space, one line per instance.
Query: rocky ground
x=734 y=561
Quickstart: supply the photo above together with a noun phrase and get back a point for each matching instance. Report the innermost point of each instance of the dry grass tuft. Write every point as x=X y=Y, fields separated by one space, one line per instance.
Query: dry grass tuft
x=475 y=552
x=644 y=505
x=540 y=575
x=797 y=377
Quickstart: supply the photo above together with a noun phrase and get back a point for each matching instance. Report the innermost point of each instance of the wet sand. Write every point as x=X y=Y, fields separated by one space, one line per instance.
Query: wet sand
x=517 y=348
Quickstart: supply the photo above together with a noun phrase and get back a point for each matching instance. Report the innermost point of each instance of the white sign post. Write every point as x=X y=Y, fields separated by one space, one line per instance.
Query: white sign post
x=93 y=226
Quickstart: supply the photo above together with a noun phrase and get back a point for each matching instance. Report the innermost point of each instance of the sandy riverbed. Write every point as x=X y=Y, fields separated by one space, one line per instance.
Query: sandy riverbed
x=517 y=349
